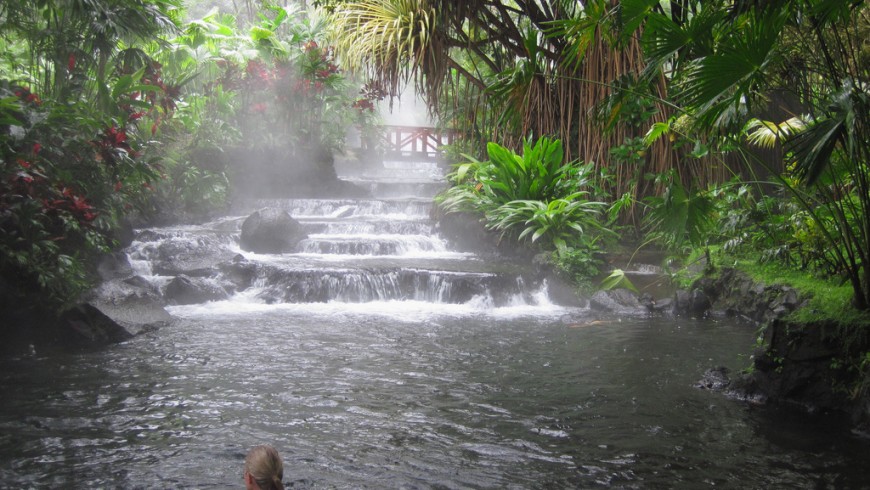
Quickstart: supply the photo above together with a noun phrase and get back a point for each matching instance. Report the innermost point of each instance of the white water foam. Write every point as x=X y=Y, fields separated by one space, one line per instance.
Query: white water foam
x=245 y=304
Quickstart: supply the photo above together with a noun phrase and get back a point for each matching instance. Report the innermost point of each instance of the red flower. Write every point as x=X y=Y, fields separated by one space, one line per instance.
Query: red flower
x=29 y=97
x=25 y=177
x=71 y=63
x=113 y=141
x=115 y=137
x=79 y=203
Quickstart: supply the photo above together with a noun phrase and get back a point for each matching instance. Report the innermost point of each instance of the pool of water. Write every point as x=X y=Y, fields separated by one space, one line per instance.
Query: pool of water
x=410 y=395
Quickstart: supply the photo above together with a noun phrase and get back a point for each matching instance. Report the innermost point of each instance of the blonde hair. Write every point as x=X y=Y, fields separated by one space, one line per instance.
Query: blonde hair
x=265 y=466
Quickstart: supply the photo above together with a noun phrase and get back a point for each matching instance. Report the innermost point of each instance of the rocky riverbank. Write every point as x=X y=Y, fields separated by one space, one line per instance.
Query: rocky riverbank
x=804 y=365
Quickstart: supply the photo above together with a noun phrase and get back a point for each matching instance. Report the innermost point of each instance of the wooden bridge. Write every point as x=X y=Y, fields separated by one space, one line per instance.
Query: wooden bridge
x=411 y=142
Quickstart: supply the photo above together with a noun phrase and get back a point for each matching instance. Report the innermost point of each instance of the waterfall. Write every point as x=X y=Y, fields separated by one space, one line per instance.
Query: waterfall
x=383 y=250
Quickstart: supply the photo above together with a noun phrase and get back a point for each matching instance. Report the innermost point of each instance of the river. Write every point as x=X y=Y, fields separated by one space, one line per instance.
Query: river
x=424 y=368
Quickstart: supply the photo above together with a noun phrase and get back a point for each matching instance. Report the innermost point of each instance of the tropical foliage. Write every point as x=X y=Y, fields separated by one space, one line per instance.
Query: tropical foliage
x=506 y=71
x=125 y=109
x=729 y=61
x=77 y=110
x=534 y=196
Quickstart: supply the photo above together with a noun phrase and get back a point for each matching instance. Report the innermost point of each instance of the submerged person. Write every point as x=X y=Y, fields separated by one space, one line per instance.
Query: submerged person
x=264 y=469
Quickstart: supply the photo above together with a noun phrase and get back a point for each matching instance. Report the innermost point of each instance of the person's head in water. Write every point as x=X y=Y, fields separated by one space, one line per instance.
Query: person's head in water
x=264 y=469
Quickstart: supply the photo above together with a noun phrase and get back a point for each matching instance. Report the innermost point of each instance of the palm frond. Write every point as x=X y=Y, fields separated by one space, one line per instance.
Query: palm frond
x=766 y=134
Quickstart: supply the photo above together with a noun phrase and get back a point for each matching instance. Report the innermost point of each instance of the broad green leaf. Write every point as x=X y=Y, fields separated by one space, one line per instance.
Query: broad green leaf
x=617 y=279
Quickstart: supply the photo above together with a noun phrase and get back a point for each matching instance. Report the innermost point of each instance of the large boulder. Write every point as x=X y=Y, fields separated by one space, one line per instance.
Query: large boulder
x=86 y=325
x=133 y=303
x=618 y=301
x=172 y=255
x=240 y=272
x=185 y=290
x=796 y=365
x=733 y=293
x=114 y=265
x=271 y=230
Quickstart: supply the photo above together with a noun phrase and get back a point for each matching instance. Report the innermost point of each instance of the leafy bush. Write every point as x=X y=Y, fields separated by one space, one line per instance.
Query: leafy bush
x=579 y=265
x=65 y=177
x=534 y=196
x=560 y=223
x=538 y=174
x=681 y=216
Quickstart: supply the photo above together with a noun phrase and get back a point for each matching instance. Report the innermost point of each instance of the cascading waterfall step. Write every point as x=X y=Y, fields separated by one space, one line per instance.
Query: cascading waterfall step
x=382 y=248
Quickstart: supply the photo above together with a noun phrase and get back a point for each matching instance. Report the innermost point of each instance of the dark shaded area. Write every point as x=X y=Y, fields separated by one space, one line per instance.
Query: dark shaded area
x=796 y=364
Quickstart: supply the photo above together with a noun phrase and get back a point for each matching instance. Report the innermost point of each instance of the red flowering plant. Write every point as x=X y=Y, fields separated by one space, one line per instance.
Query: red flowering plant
x=367 y=117
x=294 y=94
x=46 y=220
x=67 y=171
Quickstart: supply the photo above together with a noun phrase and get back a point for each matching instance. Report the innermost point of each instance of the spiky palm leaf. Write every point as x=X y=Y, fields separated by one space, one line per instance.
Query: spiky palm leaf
x=392 y=41
x=766 y=134
x=730 y=76
x=814 y=147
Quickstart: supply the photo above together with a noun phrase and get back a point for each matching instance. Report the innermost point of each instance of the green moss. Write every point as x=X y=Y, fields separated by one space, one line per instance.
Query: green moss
x=830 y=300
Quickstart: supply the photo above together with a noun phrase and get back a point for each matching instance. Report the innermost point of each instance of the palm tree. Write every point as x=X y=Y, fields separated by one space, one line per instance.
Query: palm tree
x=505 y=71
x=723 y=58
x=73 y=43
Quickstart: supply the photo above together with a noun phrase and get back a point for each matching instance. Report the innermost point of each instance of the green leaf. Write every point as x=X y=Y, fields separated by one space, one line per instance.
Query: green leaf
x=657 y=130
x=124 y=83
x=616 y=280
x=632 y=13
x=259 y=33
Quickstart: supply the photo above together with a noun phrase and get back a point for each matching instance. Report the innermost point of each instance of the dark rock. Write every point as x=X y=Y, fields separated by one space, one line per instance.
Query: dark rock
x=620 y=301
x=735 y=294
x=795 y=367
x=465 y=231
x=271 y=231
x=694 y=303
x=141 y=283
x=86 y=324
x=192 y=257
x=797 y=364
x=663 y=305
x=239 y=272
x=114 y=266
x=133 y=303
x=124 y=234
x=682 y=301
x=184 y=290
x=136 y=314
x=562 y=293
x=149 y=236
x=714 y=379
x=699 y=302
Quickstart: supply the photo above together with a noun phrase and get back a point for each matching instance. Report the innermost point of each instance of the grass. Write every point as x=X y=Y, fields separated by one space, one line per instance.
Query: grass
x=830 y=300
